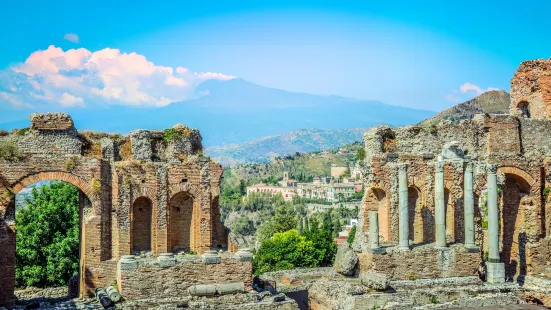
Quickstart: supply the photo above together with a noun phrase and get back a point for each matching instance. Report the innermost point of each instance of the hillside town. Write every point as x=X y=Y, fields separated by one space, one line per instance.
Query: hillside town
x=342 y=185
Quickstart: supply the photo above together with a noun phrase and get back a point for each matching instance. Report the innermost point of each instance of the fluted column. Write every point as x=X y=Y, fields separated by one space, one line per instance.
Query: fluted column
x=440 y=206
x=493 y=215
x=403 y=207
x=468 y=203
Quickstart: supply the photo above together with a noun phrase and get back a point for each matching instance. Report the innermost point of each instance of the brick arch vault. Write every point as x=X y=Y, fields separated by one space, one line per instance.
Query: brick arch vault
x=91 y=232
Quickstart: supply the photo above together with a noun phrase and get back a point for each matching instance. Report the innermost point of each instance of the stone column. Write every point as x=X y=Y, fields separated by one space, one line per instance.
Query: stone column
x=495 y=271
x=373 y=229
x=468 y=203
x=440 y=205
x=403 y=207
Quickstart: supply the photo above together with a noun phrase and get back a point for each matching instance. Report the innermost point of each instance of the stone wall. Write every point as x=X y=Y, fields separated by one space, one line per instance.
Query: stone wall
x=423 y=262
x=115 y=175
x=518 y=144
x=151 y=278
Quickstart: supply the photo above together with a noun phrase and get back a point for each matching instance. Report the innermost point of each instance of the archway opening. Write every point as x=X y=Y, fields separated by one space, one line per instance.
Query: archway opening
x=180 y=219
x=524 y=108
x=450 y=216
x=376 y=200
x=47 y=219
x=417 y=224
x=141 y=225
x=515 y=198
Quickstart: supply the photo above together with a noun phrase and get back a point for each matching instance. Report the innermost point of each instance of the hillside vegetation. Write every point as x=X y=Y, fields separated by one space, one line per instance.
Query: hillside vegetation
x=268 y=148
x=492 y=102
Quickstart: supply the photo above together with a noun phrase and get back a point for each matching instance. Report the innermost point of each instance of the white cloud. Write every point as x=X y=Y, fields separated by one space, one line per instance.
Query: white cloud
x=108 y=76
x=68 y=100
x=73 y=37
x=466 y=92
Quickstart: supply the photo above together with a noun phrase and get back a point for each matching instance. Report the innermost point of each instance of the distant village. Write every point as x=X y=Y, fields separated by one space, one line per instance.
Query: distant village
x=342 y=184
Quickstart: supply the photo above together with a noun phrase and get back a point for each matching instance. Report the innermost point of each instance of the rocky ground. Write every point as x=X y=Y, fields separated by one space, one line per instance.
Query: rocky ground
x=56 y=298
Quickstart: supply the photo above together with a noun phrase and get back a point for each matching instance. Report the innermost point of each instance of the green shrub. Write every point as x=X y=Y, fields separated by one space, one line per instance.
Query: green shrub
x=10 y=151
x=546 y=192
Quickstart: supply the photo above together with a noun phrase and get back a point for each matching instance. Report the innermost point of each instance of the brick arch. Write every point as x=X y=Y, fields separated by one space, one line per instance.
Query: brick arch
x=144 y=192
x=191 y=189
x=519 y=172
x=379 y=200
x=56 y=176
x=141 y=224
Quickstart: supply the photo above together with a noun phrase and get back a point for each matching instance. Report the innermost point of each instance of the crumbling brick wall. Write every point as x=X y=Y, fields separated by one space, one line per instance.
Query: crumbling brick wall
x=116 y=174
x=517 y=143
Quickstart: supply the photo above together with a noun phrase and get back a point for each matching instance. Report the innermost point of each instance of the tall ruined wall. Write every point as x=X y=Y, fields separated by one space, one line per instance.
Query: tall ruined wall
x=531 y=89
x=518 y=145
x=113 y=172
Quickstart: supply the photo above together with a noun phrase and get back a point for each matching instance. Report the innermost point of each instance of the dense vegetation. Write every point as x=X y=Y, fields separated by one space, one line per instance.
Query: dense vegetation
x=48 y=236
x=314 y=247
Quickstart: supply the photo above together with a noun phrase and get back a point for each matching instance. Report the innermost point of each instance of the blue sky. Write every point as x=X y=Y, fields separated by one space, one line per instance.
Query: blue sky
x=421 y=54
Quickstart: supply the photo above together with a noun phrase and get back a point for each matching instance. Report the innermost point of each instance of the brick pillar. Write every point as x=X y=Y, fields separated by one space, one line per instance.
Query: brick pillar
x=7 y=263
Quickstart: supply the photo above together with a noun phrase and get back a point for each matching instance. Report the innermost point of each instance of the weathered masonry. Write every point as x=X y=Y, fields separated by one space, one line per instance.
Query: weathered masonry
x=446 y=197
x=151 y=191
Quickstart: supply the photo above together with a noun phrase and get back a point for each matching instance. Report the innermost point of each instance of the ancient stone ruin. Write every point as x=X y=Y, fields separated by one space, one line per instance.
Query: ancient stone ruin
x=447 y=200
x=151 y=193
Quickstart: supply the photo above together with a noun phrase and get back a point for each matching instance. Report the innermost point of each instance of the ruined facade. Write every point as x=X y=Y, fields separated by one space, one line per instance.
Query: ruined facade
x=150 y=191
x=432 y=190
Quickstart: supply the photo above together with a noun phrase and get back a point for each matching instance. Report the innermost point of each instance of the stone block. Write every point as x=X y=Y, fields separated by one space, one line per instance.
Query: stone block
x=51 y=121
x=211 y=257
x=495 y=272
x=166 y=260
x=345 y=260
x=128 y=262
x=244 y=255
x=375 y=281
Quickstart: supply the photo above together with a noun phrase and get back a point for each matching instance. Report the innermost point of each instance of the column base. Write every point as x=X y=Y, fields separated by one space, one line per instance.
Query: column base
x=495 y=272
x=378 y=250
x=404 y=249
x=472 y=248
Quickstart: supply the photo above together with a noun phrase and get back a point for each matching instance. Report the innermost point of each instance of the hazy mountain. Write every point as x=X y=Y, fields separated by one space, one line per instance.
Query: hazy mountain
x=268 y=148
x=492 y=102
x=236 y=111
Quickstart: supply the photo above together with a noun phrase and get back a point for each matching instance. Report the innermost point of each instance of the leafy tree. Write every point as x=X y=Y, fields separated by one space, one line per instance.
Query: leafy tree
x=242 y=188
x=286 y=250
x=48 y=236
x=322 y=237
x=360 y=154
x=351 y=235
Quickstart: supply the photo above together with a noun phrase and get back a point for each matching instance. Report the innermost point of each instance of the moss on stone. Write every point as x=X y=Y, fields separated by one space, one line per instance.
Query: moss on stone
x=10 y=151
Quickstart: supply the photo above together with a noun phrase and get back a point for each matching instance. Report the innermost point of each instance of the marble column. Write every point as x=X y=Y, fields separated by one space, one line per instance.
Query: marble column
x=373 y=229
x=495 y=271
x=440 y=206
x=403 y=207
x=468 y=203
x=493 y=215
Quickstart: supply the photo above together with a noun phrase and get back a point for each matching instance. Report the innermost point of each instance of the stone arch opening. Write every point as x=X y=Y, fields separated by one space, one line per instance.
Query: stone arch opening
x=418 y=222
x=524 y=109
x=141 y=225
x=377 y=200
x=65 y=223
x=450 y=216
x=180 y=222
x=515 y=202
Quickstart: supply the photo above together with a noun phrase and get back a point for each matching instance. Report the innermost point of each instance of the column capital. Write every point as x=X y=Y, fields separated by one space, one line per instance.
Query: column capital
x=491 y=168
x=469 y=167
x=439 y=166
x=403 y=167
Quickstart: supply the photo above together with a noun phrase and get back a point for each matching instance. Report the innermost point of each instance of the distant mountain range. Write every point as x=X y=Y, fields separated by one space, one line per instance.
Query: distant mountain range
x=236 y=111
x=309 y=140
x=492 y=102
x=268 y=148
